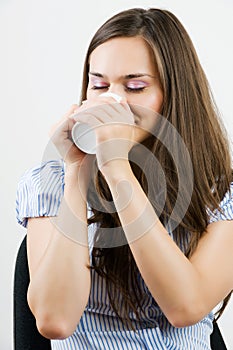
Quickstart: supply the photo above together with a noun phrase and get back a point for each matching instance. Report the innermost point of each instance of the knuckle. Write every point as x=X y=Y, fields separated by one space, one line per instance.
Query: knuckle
x=74 y=106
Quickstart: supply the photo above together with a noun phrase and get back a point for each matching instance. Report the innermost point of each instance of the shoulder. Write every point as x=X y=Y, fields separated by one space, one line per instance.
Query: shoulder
x=40 y=190
x=225 y=211
x=43 y=175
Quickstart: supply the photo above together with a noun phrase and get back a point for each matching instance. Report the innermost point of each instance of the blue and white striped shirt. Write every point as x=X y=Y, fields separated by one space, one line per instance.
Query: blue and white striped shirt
x=39 y=193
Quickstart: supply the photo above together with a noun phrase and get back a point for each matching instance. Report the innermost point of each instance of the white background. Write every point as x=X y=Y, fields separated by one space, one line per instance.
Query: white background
x=42 y=50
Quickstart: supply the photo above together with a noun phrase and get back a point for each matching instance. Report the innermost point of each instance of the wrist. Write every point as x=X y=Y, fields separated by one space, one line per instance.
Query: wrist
x=75 y=183
x=117 y=170
x=80 y=172
x=72 y=168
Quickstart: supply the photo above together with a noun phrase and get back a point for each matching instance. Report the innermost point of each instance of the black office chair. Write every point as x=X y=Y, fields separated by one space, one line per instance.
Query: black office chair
x=216 y=339
x=26 y=335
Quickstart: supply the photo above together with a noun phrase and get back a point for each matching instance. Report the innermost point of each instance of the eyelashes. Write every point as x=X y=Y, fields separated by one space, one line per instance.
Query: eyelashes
x=131 y=86
x=127 y=88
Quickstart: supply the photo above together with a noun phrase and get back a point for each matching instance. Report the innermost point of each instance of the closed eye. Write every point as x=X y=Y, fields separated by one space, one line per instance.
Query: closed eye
x=128 y=89
x=135 y=86
x=135 y=90
x=95 y=87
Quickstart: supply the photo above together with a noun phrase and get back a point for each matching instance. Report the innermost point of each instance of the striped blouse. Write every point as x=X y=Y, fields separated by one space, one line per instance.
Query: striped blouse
x=39 y=193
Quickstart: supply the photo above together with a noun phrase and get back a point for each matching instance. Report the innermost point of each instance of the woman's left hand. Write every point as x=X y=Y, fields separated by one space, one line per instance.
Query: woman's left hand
x=114 y=128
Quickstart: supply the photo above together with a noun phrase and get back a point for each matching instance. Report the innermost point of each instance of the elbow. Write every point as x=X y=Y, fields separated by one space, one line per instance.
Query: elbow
x=55 y=328
x=53 y=322
x=54 y=325
x=183 y=321
x=187 y=316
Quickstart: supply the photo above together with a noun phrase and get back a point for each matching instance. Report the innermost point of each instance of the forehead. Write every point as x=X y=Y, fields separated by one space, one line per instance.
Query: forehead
x=121 y=56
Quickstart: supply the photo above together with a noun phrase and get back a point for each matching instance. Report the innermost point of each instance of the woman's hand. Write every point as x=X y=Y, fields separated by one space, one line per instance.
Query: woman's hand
x=77 y=162
x=61 y=137
x=114 y=128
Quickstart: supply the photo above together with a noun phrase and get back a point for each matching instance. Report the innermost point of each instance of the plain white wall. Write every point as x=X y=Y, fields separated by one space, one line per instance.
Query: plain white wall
x=42 y=50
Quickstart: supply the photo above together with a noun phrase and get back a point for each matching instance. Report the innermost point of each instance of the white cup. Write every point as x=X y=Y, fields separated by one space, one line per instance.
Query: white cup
x=111 y=94
x=84 y=136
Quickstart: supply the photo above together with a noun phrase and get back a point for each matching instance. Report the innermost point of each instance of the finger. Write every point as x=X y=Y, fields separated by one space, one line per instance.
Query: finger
x=72 y=109
x=95 y=102
x=65 y=126
x=102 y=115
x=87 y=117
x=65 y=116
x=107 y=113
x=119 y=106
x=119 y=113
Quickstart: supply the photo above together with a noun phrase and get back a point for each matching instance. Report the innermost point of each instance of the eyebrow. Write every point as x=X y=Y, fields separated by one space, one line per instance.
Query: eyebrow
x=128 y=76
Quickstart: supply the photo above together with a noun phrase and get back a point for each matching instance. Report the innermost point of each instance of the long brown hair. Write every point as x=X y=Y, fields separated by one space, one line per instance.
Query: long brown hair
x=189 y=106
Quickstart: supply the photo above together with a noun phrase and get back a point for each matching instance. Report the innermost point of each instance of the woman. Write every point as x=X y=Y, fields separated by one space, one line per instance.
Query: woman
x=159 y=190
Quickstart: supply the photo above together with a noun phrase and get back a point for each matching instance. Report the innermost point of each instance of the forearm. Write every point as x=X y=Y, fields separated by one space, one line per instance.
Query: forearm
x=60 y=285
x=169 y=275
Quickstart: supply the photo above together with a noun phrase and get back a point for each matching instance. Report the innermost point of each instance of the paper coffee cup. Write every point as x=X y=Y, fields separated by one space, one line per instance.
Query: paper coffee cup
x=84 y=136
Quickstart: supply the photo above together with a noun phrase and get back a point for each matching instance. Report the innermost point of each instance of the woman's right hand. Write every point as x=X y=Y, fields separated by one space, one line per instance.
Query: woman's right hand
x=60 y=135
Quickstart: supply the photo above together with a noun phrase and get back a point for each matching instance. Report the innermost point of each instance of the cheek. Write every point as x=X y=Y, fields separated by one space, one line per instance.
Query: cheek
x=151 y=101
x=89 y=93
x=155 y=102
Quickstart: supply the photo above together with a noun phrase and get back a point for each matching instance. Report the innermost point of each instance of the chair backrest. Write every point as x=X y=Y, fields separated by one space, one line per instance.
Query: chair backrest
x=216 y=339
x=26 y=335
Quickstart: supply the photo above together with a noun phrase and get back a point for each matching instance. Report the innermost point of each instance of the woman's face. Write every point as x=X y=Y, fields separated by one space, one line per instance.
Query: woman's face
x=126 y=67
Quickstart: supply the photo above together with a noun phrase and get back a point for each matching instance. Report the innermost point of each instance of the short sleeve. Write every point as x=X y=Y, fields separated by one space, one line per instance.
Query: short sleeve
x=40 y=191
x=226 y=207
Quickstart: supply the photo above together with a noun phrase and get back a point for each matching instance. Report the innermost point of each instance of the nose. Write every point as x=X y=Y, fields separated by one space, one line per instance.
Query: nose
x=118 y=98
x=119 y=91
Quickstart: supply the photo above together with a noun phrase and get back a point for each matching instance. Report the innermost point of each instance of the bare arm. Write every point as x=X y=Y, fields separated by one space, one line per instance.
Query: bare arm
x=186 y=290
x=58 y=252
x=60 y=280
